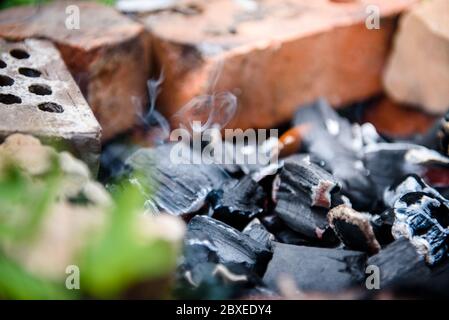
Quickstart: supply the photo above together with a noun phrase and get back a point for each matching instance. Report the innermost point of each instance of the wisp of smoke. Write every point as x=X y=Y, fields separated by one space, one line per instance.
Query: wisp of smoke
x=153 y=121
x=211 y=110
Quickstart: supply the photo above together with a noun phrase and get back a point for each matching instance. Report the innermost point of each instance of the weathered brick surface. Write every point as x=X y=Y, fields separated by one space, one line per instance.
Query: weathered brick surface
x=275 y=57
x=108 y=56
x=38 y=96
x=418 y=70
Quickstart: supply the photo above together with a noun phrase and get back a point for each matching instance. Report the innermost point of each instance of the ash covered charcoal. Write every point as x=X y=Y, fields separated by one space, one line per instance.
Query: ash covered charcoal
x=209 y=240
x=424 y=219
x=407 y=184
x=237 y=201
x=399 y=263
x=388 y=162
x=176 y=189
x=332 y=139
x=302 y=192
x=354 y=229
x=315 y=269
x=256 y=231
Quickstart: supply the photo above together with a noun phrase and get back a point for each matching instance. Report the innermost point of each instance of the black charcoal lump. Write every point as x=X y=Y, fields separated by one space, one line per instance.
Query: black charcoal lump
x=171 y=187
x=257 y=231
x=315 y=269
x=339 y=144
x=237 y=201
x=210 y=240
x=389 y=162
x=399 y=263
x=303 y=193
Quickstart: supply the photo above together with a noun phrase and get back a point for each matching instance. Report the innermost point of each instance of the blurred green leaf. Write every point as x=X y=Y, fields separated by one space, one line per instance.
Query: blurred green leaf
x=16 y=283
x=24 y=201
x=121 y=258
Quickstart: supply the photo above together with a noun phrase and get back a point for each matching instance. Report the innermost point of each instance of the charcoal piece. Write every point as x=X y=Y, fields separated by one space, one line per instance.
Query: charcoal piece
x=354 y=229
x=407 y=184
x=301 y=178
x=171 y=187
x=399 y=263
x=237 y=201
x=208 y=280
x=302 y=191
x=424 y=219
x=256 y=231
x=443 y=134
x=300 y=217
x=284 y=234
x=315 y=269
x=389 y=162
x=382 y=225
x=331 y=138
x=209 y=240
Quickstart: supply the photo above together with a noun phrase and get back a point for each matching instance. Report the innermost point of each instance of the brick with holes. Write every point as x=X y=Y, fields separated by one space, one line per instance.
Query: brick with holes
x=108 y=55
x=275 y=54
x=38 y=96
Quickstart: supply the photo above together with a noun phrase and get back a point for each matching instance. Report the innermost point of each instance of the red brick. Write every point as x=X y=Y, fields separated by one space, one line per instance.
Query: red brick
x=108 y=56
x=274 y=59
x=398 y=119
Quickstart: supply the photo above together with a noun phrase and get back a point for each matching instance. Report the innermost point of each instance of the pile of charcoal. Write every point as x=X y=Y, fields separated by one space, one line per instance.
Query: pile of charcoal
x=342 y=204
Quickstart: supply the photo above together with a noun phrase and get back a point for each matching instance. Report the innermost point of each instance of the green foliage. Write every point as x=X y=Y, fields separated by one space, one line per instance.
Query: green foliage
x=24 y=202
x=16 y=283
x=13 y=3
x=113 y=260
x=119 y=258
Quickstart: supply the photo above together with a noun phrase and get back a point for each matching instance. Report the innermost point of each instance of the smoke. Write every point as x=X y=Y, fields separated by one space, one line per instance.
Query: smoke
x=212 y=110
x=153 y=122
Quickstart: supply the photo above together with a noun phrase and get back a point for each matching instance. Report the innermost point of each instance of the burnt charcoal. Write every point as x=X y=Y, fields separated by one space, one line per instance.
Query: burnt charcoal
x=303 y=179
x=170 y=187
x=382 y=225
x=300 y=217
x=389 y=162
x=214 y=281
x=315 y=269
x=302 y=193
x=443 y=134
x=282 y=233
x=256 y=231
x=399 y=263
x=407 y=184
x=354 y=229
x=237 y=201
x=209 y=240
x=332 y=139
x=424 y=219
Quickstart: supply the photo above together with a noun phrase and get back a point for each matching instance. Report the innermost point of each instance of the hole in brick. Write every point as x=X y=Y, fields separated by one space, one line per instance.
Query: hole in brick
x=19 y=54
x=28 y=72
x=2 y=64
x=6 y=81
x=51 y=107
x=9 y=99
x=40 y=89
